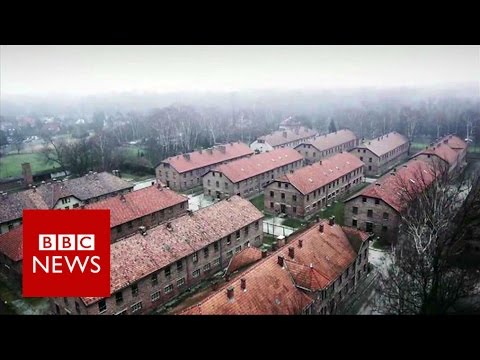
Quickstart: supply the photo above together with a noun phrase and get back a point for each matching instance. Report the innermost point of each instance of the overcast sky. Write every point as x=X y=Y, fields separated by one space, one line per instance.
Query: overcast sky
x=84 y=70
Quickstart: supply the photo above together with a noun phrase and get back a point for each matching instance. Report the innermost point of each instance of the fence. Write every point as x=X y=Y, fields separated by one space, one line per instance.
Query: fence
x=277 y=230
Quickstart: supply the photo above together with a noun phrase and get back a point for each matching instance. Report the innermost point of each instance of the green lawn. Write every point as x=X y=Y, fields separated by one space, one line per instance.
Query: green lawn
x=258 y=202
x=132 y=152
x=294 y=223
x=336 y=209
x=11 y=165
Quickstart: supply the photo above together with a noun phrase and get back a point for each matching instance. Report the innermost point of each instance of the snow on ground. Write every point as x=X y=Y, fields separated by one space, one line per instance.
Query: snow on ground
x=370 y=180
x=144 y=184
x=196 y=202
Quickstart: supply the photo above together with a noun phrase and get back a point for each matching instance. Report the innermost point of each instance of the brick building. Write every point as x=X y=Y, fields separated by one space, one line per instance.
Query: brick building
x=305 y=191
x=326 y=145
x=312 y=274
x=183 y=172
x=66 y=194
x=248 y=176
x=377 y=207
x=288 y=137
x=11 y=255
x=150 y=268
x=147 y=207
x=382 y=153
x=450 y=151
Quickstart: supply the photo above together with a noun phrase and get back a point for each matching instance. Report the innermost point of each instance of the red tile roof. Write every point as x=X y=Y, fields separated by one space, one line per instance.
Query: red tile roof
x=446 y=148
x=337 y=138
x=281 y=137
x=196 y=159
x=136 y=204
x=245 y=168
x=383 y=144
x=272 y=289
x=415 y=175
x=11 y=243
x=140 y=255
x=12 y=205
x=246 y=257
x=316 y=175
x=454 y=142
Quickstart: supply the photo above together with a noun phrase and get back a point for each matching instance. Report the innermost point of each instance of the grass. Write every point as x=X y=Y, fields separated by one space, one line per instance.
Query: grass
x=268 y=239
x=6 y=294
x=258 y=202
x=11 y=165
x=132 y=152
x=336 y=209
x=294 y=223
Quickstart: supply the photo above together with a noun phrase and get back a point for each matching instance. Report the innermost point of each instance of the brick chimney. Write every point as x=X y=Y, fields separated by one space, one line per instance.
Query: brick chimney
x=222 y=148
x=264 y=253
x=280 y=261
x=284 y=134
x=331 y=220
x=27 y=173
x=230 y=292
x=243 y=284
x=300 y=243
x=186 y=156
x=320 y=228
x=291 y=252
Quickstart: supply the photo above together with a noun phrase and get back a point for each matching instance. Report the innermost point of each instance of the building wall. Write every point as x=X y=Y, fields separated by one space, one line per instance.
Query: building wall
x=246 y=188
x=9 y=225
x=72 y=202
x=392 y=222
x=206 y=266
x=260 y=146
x=378 y=165
x=306 y=205
x=328 y=301
x=312 y=154
x=158 y=217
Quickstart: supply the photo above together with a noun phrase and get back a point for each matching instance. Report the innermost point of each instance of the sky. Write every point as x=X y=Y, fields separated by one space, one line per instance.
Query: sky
x=99 y=69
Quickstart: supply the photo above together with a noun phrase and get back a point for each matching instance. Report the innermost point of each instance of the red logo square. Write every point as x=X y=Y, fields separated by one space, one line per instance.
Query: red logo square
x=66 y=253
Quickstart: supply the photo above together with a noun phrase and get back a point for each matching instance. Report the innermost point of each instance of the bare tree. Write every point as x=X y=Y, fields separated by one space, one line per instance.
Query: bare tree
x=423 y=276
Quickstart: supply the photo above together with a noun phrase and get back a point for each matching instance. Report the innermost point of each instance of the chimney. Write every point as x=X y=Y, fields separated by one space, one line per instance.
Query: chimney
x=377 y=184
x=122 y=198
x=291 y=171
x=291 y=252
x=34 y=188
x=210 y=151
x=280 y=261
x=82 y=206
x=222 y=148
x=27 y=173
x=186 y=156
x=280 y=241
x=200 y=150
x=320 y=162
x=445 y=141
x=320 y=228
x=243 y=284
x=284 y=134
x=230 y=292
x=169 y=226
x=264 y=253
x=274 y=245
x=190 y=212
x=300 y=243
x=331 y=220
x=142 y=230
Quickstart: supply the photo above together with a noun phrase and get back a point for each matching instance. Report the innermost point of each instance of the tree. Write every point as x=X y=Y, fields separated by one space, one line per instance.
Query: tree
x=54 y=152
x=423 y=276
x=17 y=140
x=3 y=138
x=332 y=127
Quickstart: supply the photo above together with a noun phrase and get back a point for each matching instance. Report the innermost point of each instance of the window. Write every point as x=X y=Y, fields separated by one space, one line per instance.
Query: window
x=369 y=168
x=294 y=209
x=208 y=182
x=279 y=184
x=385 y=216
x=75 y=206
x=77 y=307
x=119 y=298
x=154 y=279
x=237 y=234
x=256 y=225
x=130 y=224
x=377 y=201
x=230 y=254
x=271 y=205
x=136 y=307
x=283 y=196
x=226 y=185
x=134 y=289
x=272 y=194
x=229 y=241
x=181 y=282
x=102 y=306
x=195 y=257
x=364 y=199
x=364 y=151
x=286 y=186
x=179 y=265
x=215 y=246
x=238 y=248
x=355 y=210
x=206 y=267
x=65 y=300
x=205 y=252
x=294 y=197
x=384 y=228
x=168 y=289
x=369 y=227
x=196 y=273
x=354 y=223
x=369 y=159
x=155 y=296
x=361 y=158
x=217 y=183
x=369 y=213
x=308 y=197
x=246 y=230
x=167 y=271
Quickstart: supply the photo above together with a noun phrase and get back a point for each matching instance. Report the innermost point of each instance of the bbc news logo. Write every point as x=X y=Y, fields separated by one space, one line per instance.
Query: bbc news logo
x=66 y=253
